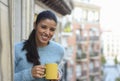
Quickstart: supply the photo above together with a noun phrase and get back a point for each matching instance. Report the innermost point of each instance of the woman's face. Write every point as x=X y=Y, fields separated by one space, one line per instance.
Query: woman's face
x=45 y=30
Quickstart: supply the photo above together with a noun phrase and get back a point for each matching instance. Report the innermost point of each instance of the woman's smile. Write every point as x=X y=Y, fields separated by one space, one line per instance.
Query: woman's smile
x=44 y=37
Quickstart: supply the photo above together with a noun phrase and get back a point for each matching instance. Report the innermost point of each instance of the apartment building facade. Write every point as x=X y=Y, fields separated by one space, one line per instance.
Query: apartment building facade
x=111 y=47
x=88 y=55
x=81 y=38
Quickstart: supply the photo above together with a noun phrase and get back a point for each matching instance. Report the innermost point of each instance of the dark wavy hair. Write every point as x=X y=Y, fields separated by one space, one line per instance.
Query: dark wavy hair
x=30 y=44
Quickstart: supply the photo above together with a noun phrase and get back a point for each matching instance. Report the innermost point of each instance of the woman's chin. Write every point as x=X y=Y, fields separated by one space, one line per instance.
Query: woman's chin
x=44 y=42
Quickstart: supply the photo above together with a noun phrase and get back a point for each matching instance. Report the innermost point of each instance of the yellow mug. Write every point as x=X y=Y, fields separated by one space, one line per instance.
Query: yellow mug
x=51 y=71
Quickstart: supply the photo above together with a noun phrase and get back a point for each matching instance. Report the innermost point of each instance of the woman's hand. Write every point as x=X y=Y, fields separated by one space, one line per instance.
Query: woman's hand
x=38 y=71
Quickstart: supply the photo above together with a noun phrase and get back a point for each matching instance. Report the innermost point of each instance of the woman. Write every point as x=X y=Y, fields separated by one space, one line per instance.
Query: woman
x=32 y=54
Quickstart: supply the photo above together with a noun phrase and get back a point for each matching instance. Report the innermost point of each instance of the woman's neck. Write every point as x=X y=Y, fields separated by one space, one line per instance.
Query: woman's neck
x=39 y=44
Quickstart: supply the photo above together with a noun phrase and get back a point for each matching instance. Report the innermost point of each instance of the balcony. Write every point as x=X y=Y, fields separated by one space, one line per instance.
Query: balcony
x=81 y=57
x=94 y=54
x=95 y=78
x=66 y=34
x=95 y=71
x=81 y=38
x=83 y=76
x=94 y=38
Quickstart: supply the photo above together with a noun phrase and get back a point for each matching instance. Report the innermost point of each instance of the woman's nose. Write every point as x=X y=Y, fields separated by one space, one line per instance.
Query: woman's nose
x=47 y=31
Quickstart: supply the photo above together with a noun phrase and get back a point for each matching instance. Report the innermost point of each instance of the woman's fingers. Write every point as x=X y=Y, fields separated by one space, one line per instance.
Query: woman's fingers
x=38 y=71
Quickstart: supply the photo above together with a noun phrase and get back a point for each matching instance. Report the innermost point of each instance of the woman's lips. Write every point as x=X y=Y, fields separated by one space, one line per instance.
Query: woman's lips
x=45 y=38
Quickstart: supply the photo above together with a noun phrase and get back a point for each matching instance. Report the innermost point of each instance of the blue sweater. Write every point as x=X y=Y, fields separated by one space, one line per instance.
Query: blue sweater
x=52 y=53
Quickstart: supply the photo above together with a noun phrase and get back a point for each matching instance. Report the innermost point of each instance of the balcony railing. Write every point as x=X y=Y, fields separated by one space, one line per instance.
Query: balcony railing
x=82 y=56
x=83 y=75
x=94 y=38
x=94 y=54
x=80 y=38
x=95 y=71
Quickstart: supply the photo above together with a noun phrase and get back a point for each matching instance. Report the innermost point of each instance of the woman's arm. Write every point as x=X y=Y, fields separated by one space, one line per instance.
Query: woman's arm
x=24 y=75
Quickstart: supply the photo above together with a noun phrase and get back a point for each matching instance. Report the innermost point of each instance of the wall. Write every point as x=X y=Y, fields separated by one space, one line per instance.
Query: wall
x=5 y=41
x=24 y=17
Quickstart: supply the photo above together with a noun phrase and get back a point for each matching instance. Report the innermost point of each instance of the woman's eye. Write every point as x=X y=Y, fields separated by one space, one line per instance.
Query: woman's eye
x=43 y=27
x=52 y=29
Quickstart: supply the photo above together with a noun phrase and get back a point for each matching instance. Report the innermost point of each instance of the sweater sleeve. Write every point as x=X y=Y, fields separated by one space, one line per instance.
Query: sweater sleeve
x=24 y=75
